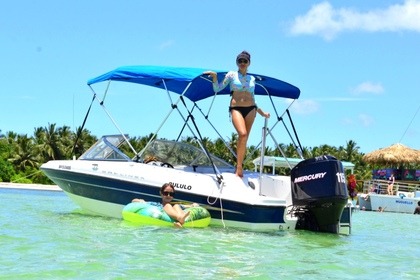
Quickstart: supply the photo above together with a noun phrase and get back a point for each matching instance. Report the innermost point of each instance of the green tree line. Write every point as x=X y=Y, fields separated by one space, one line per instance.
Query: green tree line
x=22 y=155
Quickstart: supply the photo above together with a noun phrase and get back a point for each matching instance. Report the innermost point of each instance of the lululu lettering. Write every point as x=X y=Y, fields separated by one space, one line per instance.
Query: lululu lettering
x=310 y=177
x=181 y=186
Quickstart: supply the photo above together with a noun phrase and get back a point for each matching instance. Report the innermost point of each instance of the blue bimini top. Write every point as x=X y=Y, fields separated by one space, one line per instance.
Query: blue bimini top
x=193 y=83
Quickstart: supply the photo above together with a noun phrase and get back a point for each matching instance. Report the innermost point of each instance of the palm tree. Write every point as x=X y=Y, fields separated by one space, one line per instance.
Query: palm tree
x=80 y=142
x=233 y=143
x=53 y=142
x=351 y=151
x=65 y=137
x=11 y=137
x=291 y=151
x=49 y=142
x=23 y=156
x=306 y=152
x=221 y=150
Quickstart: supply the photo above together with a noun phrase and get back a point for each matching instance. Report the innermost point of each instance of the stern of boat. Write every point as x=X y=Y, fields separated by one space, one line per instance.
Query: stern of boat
x=319 y=194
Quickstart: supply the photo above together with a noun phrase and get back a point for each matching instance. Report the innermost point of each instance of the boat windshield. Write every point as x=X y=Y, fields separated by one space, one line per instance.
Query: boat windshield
x=173 y=152
x=180 y=153
x=106 y=148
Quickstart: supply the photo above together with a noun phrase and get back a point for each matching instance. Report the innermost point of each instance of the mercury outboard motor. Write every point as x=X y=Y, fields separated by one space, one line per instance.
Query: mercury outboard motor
x=319 y=194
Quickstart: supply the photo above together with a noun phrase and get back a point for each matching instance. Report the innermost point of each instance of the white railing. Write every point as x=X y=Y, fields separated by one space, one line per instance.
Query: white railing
x=380 y=186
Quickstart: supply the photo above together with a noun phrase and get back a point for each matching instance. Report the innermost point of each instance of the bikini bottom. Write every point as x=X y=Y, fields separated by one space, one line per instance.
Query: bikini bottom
x=243 y=110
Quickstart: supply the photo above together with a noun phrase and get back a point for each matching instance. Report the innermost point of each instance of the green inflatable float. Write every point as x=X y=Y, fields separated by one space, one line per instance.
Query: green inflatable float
x=143 y=213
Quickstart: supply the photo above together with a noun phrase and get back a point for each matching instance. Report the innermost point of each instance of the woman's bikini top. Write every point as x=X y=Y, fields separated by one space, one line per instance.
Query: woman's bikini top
x=237 y=82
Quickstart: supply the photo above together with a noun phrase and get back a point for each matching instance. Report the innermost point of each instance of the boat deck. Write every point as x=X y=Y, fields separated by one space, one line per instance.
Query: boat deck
x=380 y=186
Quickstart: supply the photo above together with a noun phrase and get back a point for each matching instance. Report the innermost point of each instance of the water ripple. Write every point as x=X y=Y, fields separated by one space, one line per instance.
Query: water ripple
x=49 y=238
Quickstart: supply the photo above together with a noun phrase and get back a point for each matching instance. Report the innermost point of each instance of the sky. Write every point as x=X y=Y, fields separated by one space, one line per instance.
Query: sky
x=355 y=62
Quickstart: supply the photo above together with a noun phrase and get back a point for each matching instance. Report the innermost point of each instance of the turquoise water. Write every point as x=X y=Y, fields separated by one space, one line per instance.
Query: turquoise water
x=43 y=235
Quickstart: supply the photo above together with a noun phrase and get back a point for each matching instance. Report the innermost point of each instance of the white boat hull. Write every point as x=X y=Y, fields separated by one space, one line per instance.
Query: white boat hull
x=104 y=188
x=393 y=203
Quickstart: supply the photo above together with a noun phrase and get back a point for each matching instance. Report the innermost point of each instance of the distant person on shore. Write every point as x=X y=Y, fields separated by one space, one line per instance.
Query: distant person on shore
x=391 y=181
x=376 y=188
x=167 y=192
x=417 y=210
x=380 y=209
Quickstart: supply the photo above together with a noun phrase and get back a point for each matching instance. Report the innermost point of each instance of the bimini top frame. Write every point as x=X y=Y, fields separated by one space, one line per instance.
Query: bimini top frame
x=191 y=84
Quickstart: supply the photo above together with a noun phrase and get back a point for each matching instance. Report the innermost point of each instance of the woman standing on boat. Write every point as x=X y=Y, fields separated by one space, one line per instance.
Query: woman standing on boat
x=391 y=182
x=242 y=104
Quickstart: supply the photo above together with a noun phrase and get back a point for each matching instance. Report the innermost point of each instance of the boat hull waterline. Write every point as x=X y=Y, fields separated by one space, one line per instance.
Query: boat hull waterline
x=104 y=188
x=107 y=196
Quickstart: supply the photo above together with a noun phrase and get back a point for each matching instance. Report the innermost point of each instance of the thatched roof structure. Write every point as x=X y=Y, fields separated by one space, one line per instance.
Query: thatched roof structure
x=395 y=154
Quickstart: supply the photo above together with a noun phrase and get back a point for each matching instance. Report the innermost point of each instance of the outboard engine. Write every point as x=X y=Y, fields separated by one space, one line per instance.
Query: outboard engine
x=319 y=193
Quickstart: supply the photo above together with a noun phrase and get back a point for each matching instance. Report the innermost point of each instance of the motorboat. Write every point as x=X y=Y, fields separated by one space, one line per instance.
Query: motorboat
x=402 y=202
x=105 y=178
x=375 y=197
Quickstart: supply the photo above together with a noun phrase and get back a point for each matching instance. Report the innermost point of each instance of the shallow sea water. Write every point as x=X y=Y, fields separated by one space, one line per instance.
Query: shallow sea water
x=43 y=235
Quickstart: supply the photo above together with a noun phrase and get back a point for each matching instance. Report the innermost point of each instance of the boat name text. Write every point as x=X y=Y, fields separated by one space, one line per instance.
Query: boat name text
x=130 y=176
x=404 y=202
x=310 y=177
x=67 y=167
x=181 y=186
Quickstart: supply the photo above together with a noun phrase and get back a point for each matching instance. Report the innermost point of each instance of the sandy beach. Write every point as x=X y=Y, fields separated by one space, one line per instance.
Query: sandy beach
x=29 y=186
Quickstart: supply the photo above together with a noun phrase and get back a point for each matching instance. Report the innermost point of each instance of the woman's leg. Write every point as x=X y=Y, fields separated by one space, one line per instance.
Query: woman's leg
x=391 y=189
x=178 y=209
x=176 y=213
x=243 y=128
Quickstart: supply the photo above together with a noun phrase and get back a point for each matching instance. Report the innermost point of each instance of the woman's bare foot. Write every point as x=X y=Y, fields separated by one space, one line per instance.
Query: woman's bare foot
x=239 y=172
x=181 y=218
x=177 y=225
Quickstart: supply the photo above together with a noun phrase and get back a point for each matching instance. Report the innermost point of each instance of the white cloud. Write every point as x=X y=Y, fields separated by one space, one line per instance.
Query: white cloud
x=361 y=120
x=365 y=120
x=166 y=44
x=326 y=21
x=304 y=107
x=368 y=87
x=347 y=121
x=341 y=99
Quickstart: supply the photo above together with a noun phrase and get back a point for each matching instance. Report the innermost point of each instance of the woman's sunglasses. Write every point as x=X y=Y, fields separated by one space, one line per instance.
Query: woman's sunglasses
x=168 y=194
x=244 y=61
